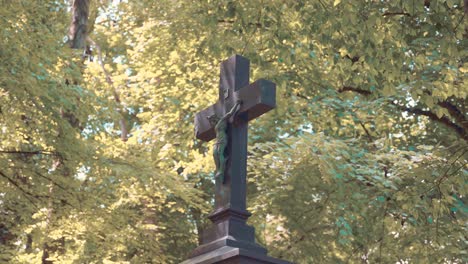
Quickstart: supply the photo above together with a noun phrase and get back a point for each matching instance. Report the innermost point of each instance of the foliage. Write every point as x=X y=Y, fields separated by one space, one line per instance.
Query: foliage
x=364 y=159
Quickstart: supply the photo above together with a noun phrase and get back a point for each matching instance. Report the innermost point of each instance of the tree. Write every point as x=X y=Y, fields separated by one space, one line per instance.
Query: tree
x=68 y=182
x=364 y=159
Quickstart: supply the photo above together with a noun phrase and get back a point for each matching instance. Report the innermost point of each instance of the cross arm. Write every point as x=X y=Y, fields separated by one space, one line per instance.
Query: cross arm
x=257 y=98
x=203 y=129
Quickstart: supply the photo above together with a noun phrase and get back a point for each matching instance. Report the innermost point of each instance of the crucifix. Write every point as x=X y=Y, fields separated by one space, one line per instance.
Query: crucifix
x=226 y=121
x=251 y=101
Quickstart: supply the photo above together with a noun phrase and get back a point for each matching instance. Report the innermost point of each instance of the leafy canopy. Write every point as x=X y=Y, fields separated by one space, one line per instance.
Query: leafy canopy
x=364 y=159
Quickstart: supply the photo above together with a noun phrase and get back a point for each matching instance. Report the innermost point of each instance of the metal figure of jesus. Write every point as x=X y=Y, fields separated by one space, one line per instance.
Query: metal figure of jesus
x=219 y=149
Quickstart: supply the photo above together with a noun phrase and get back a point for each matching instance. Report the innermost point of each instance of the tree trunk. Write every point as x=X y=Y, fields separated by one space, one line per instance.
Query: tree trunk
x=78 y=28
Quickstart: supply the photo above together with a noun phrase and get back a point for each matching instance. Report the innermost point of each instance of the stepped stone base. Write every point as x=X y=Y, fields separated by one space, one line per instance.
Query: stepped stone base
x=233 y=255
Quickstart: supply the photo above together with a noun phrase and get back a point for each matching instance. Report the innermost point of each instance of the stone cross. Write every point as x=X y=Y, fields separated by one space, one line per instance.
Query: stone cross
x=257 y=98
x=230 y=239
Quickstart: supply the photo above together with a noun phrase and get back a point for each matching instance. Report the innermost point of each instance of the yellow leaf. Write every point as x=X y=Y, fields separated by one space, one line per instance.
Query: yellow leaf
x=343 y=51
x=337 y=2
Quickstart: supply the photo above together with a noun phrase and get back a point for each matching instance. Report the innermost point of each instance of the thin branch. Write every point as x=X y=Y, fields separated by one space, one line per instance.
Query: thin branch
x=365 y=130
x=53 y=182
x=462 y=18
x=396 y=14
x=224 y=21
x=21 y=188
x=34 y=152
x=302 y=96
x=27 y=193
x=446 y=173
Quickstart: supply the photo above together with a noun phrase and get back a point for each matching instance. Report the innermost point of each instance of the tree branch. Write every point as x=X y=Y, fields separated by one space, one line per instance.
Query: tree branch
x=446 y=174
x=443 y=120
x=461 y=127
x=27 y=193
x=53 y=182
x=455 y=113
x=353 y=89
x=396 y=14
x=34 y=152
x=365 y=130
x=257 y=24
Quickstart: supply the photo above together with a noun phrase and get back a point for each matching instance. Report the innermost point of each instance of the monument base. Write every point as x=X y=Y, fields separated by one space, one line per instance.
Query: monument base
x=233 y=255
x=230 y=241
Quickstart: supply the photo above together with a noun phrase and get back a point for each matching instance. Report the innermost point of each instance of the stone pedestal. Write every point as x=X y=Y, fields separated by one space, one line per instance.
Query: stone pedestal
x=230 y=241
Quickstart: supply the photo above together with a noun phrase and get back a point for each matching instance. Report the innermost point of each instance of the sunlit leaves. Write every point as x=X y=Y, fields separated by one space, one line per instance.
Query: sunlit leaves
x=361 y=160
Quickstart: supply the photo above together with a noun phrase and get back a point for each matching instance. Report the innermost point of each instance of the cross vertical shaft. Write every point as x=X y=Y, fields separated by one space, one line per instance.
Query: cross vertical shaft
x=232 y=194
